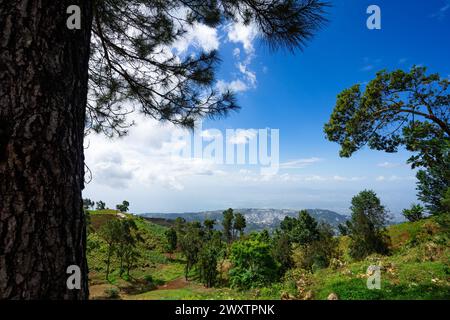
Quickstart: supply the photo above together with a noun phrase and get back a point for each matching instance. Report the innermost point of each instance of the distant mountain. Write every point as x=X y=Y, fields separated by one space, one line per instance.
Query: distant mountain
x=257 y=219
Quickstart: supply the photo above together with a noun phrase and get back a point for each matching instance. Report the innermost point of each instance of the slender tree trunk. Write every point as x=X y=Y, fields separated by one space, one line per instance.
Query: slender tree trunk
x=108 y=262
x=43 y=90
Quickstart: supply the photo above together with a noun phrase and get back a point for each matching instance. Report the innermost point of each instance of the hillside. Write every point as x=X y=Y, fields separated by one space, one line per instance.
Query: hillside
x=257 y=219
x=417 y=268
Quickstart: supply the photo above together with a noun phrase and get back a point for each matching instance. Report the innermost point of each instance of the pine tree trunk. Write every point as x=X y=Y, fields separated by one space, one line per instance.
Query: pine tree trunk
x=43 y=90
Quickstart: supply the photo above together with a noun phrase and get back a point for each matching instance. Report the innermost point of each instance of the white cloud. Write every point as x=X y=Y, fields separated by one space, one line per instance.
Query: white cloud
x=341 y=178
x=299 y=163
x=393 y=178
x=249 y=75
x=242 y=136
x=388 y=164
x=148 y=156
x=199 y=36
x=238 y=32
x=234 y=86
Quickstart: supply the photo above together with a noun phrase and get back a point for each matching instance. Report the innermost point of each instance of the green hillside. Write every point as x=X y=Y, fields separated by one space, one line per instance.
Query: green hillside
x=418 y=267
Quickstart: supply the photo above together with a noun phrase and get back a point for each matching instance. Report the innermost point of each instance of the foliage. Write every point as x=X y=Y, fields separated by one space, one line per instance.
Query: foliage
x=88 y=203
x=239 y=223
x=100 y=205
x=227 y=224
x=171 y=236
x=301 y=230
x=433 y=182
x=131 y=60
x=110 y=234
x=208 y=258
x=415 y=213
x=400 y=108
x=123 y=207
x=190 y=244
x=252 y=264
x=391 y=101
x=366 y=227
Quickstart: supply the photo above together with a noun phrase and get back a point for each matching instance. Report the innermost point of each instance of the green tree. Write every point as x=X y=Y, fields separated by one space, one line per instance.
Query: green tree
x=124 y=206
x=415 y=213
x=301 y=230
x=100 y=205
x=126 y=242
x=110 y=233
x=208 y=258
x=445 y=202
x=321 y=251
x=252 y=264
x=227 y=224
x=367 y=225
x=282 y=251
x=433 y=182
x=123 y=63
x=88 y=203
x=239 y=223
x=409 y=109
x=343 y=229
x=190 y=244
x=171 y=237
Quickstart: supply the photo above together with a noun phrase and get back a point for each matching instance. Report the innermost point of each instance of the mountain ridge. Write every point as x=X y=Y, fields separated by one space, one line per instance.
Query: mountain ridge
x=257 y=219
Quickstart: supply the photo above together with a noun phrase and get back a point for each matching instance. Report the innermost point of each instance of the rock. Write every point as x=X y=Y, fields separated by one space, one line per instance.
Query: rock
x=333 y=296
x=308 y=295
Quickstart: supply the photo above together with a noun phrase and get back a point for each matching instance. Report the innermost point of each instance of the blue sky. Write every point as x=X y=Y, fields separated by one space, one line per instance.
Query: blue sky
x=295 y=94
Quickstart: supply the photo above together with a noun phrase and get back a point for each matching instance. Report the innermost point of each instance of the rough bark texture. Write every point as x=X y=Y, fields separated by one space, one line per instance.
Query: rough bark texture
x=43 y=89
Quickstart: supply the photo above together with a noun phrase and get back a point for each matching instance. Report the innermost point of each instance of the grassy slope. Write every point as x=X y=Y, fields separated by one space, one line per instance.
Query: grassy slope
x=418 y=268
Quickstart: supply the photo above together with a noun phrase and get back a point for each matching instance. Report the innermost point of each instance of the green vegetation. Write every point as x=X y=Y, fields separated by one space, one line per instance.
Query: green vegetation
x=417 y=266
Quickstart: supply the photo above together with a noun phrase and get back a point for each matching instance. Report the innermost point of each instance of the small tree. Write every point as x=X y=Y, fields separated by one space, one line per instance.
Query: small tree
x=301 y=230
x=123 y=207
x=239 y=224
x=110 y=232
x=282 y=251
x=100 y=205
x=191 y=243
x=253 y=264
x=171 y=237
x=88 y=203
x=415 y=213
x=126 y=241
x=366 y=227
x=227 y=224
x=208 y=258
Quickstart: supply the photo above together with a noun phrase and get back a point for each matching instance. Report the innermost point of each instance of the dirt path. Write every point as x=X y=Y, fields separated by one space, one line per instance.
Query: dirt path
x=178 y=283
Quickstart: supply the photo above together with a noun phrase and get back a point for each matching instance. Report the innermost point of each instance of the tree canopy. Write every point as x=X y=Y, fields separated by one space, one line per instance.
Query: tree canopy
x=396 y=108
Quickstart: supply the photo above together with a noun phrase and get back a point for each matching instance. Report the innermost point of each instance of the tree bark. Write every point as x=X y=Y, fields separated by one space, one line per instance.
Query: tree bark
x=43 y=92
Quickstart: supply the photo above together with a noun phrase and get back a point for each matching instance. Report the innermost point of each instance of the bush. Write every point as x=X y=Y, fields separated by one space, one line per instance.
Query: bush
x=253 y=264
x=112 y=293
x=415 y=213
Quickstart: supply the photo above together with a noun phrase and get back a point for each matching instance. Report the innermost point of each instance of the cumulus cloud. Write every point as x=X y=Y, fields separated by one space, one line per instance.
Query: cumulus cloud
x=238 y=32
x=199 y=36
x=151 y=154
